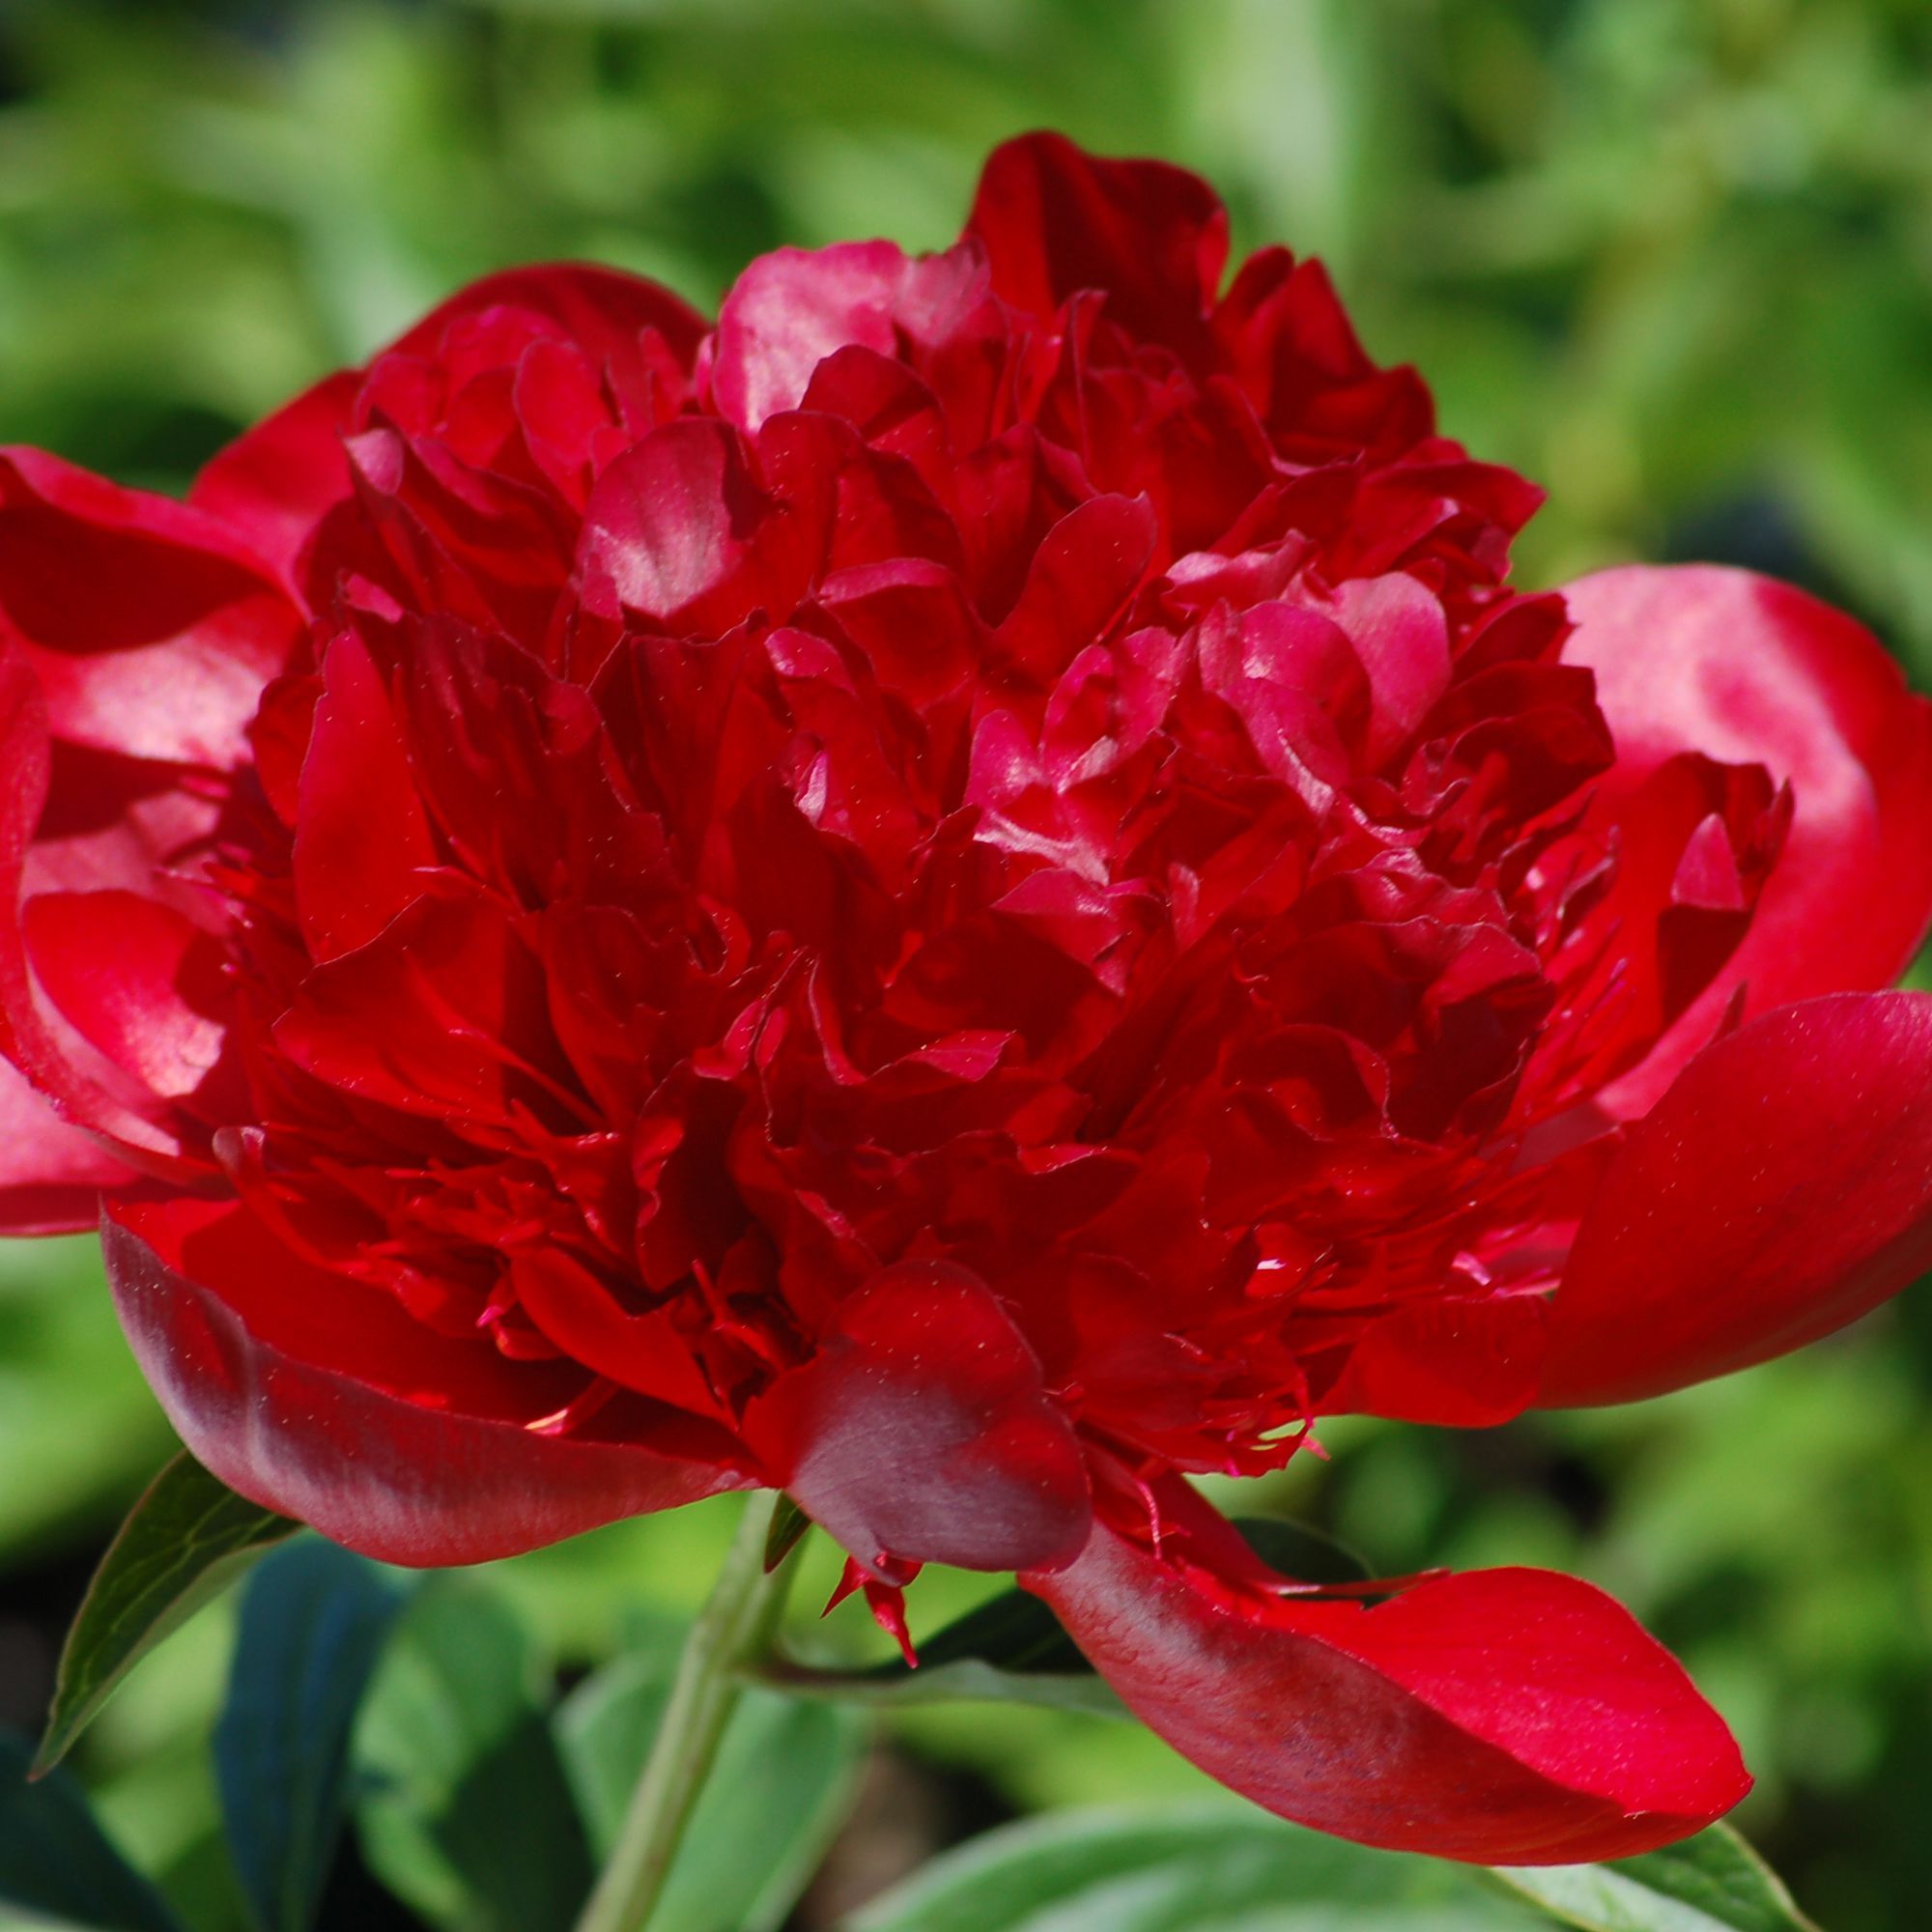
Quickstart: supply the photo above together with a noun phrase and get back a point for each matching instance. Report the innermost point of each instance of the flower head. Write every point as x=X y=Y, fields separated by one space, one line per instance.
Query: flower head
x=964 y=892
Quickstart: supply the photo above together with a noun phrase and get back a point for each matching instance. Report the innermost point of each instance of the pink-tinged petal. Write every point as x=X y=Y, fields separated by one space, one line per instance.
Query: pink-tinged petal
x=150 y=626
x=1781 y=1188
x=1751 y=671
x=361 y=831
x=51 y=1175
x=1054 y=220
x=921 y=1431
x=1401 y=633
x=674 y=526
x=141 y=982
x=1504 y=1716
x=792 y=309
x=316 y=1394
x=84 y=1087
x=274 y=485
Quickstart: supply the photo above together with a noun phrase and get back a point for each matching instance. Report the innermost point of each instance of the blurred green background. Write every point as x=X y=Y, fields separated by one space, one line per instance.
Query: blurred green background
x=1671 y=257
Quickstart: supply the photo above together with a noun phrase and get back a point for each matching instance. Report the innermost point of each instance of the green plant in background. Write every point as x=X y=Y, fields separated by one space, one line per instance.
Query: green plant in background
x=1672 y=258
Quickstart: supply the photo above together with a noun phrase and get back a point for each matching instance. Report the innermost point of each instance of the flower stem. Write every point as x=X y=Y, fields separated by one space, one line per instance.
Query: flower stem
x=734 y=1626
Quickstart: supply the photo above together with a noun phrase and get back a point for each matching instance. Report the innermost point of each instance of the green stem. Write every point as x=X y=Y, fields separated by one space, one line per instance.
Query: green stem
x=735 y=1625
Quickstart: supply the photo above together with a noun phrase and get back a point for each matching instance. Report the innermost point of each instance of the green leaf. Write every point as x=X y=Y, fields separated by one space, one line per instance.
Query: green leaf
x=1200 y=1868
x=57 y=1865
x=1296 y=1551
x=187 y=1538
x=775 y=1797
x=466 y=1812
x=313 y=1619
x=1712 y=1883
x=1013 y=1650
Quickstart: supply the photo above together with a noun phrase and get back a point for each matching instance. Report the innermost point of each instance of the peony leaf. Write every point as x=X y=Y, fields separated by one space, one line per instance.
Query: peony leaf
x=465 y=1813
x=1012 y=1649
x=314 y=1619
x=1200 y=1868
x=1712 y=1883
x=777 y=1795
x=57 y=1866
x=183 y=1543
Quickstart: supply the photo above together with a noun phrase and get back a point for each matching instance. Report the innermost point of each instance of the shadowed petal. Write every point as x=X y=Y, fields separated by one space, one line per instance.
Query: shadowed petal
x=921 y=1431
x=267 y=1366
x=150 y=628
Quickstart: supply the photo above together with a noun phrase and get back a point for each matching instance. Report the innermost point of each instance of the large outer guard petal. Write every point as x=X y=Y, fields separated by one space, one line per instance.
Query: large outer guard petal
x=1749 y=670
x=1781 y=1188
x=1504 y=1716
x=266 y=1366
x=920 y=1430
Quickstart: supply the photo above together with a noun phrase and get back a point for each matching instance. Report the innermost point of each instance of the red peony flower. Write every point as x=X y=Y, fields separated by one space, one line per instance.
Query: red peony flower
x=963 y=894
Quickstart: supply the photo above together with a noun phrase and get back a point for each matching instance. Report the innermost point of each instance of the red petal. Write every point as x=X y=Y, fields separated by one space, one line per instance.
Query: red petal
x=1749 y=670
x=1462 y=1362
x=1054 y=220
x=1781 y=1188
x=583 y=1317
x=265 y=1365
x=1087 y=568
x=141 y=982
x=921 y=1431
x=84 y=1087
x=443 y=1013
x=274 y=484
x=150 y=628
x=51 y=1175
x=676 y=523
x=361 y=832
x=792 y=309
x=604 y=311
x=1505 y=1717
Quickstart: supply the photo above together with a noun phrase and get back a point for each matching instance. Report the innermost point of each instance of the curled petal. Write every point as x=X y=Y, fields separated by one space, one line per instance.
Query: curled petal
x=1781 y=1188
x=1503 y=1716
x=921 y=1431
x=317 y=1396
x=1054 y=222
x=604 y=311
x=792 y=309
x=140 y=981
x=677 y=524
x=361 y=832
x=1751 y=671
x=150 y=627
x=85 y=1088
